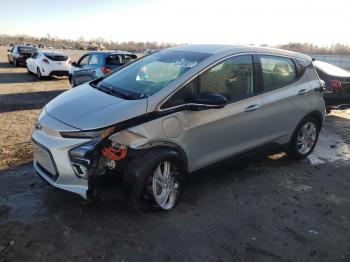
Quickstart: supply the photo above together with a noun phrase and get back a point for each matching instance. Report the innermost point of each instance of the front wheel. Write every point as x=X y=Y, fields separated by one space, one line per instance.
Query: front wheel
x=158 y=180
x=304 y=138
x=72 y=82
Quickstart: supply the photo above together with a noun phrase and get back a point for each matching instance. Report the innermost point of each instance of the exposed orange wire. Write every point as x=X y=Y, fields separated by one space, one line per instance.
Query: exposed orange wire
x=113 y=153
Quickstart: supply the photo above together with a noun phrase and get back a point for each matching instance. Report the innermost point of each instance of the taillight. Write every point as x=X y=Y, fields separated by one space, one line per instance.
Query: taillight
x=336 y=84
x=105 y=69
x=46 y=61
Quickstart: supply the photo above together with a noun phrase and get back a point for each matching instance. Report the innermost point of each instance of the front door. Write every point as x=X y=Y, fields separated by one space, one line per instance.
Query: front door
x=79 y=71
x=215 y=134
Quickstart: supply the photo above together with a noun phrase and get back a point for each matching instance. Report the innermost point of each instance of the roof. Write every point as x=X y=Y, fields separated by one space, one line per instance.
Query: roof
x=25 y=46
x=110 y=52
x=216 y=49
x=49 y=52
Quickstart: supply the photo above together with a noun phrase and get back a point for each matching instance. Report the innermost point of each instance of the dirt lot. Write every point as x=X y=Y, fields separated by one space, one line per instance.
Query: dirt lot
x=21 y=98
x=270 y=208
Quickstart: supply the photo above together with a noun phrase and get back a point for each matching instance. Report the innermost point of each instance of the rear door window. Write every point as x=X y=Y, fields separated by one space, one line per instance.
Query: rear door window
x=119 y=59
x=277 y=72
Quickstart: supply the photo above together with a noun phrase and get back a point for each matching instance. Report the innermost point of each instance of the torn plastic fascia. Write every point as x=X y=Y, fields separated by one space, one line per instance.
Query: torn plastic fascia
x=129 y=139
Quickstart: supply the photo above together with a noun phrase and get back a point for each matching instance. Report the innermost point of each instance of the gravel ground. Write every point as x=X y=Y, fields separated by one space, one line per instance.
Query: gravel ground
x=269 y=208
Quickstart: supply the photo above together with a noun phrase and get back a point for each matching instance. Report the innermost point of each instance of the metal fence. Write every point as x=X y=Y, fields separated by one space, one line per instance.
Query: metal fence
x=342 y=61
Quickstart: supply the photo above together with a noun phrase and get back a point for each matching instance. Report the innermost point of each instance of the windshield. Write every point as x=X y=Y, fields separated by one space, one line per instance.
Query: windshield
x=331 y=69
x=152 y=73
x=27 y=49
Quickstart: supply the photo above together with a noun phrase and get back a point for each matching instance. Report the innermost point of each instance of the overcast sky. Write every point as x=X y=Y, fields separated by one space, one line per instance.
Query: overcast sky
x=272 y=22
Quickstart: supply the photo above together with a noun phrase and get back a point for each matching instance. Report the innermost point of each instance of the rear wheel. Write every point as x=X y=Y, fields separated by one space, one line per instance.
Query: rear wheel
x=15 y=64
x=158 y=180
x=304 y=138
x=38 y=73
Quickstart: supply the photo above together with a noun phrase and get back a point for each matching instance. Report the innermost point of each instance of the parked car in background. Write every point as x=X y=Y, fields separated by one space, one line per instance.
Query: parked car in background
x=96 y=64
x=159 y=119
x=48 y=47
x=48 y=63
x=20 y=53
x=337 y=80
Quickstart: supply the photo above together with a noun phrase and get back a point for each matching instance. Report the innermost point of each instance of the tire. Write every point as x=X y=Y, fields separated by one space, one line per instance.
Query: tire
x=72 y=82
x=15 y=64
x=145 y=192
x=302 y=145
x=38 y=74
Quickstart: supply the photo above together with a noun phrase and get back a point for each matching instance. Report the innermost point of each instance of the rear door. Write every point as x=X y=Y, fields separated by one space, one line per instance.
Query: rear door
x=285 y=98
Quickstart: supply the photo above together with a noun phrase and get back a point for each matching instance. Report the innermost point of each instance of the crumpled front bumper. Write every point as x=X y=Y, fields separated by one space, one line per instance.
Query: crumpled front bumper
x=51 y=156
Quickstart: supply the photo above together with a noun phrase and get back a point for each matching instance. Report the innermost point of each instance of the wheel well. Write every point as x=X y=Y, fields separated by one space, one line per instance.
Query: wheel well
x=317 y=116
x=167 y=145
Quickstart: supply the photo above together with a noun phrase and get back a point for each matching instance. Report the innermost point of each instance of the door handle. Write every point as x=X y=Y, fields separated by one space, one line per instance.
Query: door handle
x=303 y=91
x=252 y=108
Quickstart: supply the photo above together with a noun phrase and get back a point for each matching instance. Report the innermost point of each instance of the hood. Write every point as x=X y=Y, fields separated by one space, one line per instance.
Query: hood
x=85 y=108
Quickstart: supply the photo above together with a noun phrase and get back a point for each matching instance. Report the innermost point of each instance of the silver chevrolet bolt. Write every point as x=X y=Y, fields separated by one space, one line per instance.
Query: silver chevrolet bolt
x=162 y=117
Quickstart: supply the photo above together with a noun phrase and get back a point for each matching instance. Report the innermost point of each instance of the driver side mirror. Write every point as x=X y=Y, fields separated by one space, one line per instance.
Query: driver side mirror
x=208 y=101
x=9 y=50
x=73 y=63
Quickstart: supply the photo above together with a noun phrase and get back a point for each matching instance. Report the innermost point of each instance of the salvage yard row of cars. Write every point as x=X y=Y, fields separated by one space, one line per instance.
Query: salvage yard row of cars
x=160 y=118
x=92 y=65
x=95 y=64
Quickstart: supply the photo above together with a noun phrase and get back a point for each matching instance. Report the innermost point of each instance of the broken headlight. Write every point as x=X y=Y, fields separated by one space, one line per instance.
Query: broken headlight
x=94 y=134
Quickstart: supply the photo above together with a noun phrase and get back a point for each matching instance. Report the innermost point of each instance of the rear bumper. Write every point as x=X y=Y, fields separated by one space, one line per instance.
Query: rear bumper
x=21 y=60
x=59 y=73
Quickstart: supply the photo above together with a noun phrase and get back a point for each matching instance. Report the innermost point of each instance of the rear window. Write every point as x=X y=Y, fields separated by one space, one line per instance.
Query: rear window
x=27 y=49
x=56 y=57
x=277 y=71
x=119 y=59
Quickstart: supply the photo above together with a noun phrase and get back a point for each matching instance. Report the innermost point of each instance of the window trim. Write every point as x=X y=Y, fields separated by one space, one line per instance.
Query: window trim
x=197 y=75
x=292 y=58
x=81 y=58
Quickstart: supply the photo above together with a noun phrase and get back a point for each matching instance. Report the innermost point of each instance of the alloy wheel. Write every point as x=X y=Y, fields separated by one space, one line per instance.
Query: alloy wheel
x=306 y=138
x=165 y=186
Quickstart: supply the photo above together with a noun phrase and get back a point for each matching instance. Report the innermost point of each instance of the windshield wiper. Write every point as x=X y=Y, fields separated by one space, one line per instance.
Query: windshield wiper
x=96 y=81
x=118 y=92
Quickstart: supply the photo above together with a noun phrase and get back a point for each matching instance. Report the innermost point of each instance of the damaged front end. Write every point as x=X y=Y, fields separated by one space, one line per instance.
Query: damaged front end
x=97 y=159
